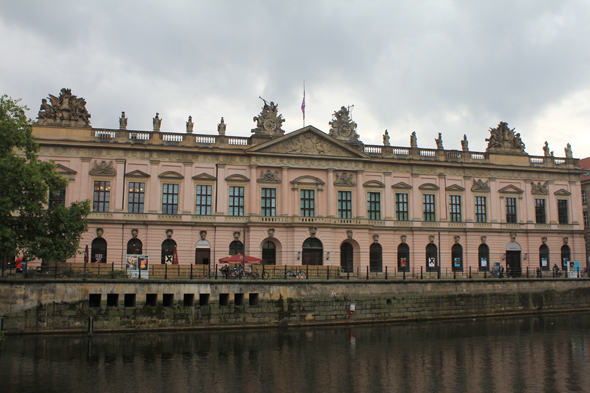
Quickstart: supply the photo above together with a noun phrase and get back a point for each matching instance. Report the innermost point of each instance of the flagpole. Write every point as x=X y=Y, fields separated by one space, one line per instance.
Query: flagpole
x=303 y=104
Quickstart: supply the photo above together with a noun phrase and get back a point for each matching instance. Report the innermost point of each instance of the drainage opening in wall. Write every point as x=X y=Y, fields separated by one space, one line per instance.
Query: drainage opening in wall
x=151 y=299
x=129 y=300
x=224 y=299
x=113 y=300
x=94 y=300
x=203 y=299
x=189 y=299
x=239 y=299
x=168 y=300
x=389 y=302
x=253 y=299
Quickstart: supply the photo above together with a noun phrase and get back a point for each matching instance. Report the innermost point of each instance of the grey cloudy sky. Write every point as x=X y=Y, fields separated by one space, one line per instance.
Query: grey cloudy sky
x=456 y=67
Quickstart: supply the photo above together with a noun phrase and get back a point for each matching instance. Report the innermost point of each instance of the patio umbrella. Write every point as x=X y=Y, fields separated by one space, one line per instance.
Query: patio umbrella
x=239 y=258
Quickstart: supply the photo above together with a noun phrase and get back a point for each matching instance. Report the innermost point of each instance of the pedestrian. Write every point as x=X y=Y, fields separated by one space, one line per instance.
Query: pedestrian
x=19 y=264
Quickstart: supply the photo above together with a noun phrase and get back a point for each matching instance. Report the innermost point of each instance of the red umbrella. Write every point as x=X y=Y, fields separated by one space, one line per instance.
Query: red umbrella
x=239 y=258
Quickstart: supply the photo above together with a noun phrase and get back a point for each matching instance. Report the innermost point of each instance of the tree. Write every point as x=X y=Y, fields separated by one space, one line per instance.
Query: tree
x=27 y=224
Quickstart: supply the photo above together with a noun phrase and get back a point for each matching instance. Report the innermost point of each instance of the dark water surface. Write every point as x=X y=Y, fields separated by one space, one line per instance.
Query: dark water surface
x=532 y=354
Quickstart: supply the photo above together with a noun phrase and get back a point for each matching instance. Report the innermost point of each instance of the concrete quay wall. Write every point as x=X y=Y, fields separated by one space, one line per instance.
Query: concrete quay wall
x=45 y=306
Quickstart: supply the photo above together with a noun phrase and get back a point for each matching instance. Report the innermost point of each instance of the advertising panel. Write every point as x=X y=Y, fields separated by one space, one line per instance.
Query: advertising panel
x=134 y=263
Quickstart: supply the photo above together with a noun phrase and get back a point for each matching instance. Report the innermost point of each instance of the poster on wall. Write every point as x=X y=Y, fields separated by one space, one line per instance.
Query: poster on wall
x=431 y=262
x=403 y=262
x=134 y=263
x=457 y=262
x=544 y=262
x=484 y=262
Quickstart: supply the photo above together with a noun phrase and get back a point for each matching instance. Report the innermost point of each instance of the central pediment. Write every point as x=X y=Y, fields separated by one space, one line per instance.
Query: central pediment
x=308 y=141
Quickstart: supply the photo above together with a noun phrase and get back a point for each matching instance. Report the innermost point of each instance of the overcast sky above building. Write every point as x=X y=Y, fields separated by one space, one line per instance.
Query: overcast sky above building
x=455 y=67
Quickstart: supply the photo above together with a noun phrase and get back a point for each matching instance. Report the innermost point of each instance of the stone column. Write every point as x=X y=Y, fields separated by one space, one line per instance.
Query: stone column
x=154 y=196
x=253 y=204
x=331 y=202
x=118 y=191
x=361 y=210
x=86 y=185
x=441 y=204
x=188 y=202
x=221 y=190
x=529 y=202
x=388 y=198
x=284 y=199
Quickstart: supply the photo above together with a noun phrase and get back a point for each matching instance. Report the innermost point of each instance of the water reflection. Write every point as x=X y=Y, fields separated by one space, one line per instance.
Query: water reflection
x=488 y=355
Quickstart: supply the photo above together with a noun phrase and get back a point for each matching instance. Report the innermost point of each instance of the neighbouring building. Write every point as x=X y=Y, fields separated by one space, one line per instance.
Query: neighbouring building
x=585 y=182
x=308 y=197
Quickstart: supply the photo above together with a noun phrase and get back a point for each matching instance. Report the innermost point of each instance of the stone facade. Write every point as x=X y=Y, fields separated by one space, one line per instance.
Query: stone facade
x=585 y=184
x=311 y=197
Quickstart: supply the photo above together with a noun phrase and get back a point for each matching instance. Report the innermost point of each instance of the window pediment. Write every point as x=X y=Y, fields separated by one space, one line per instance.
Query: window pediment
x=510 y=189
x=308 y=180
x=374 y=183
x=455 y=187
x=480 y=186
x=103 y=169
x=64 y=170
x=204 y=176
x=237 y=178
x=429 y=186
x=170 y=175
x=137 y=173
x=402 y=186
x=562 y=192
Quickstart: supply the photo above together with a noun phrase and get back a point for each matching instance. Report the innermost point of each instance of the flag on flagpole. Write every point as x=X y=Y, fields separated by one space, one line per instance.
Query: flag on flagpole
x=303 y=104
x=175 y=257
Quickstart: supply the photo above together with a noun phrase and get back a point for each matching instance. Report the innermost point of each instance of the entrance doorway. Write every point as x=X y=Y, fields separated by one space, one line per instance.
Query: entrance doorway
x=313 y=251
x=346 y=258
x=513 y=268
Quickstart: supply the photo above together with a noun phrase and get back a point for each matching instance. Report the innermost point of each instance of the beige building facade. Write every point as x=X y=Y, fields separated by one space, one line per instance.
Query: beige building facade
x=310 y=197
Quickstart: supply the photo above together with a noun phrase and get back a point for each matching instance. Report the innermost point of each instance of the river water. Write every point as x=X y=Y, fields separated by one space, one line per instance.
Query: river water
x=529 y=354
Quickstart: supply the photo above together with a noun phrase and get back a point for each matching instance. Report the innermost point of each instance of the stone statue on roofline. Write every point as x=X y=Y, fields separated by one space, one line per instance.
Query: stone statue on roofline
x=157 y=122
x=269 y=121
x=503 y=140
x=221 y=127
x=465 y=143
x=546 y=150
x=413 y=140
x=190 y=125
x=439 y=142
x=386 y=138
x=122 y=121
x=568 y=151
x=66 y=110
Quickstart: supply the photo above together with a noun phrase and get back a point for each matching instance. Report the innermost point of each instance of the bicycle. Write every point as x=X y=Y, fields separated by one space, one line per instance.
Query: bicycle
x=295 y=273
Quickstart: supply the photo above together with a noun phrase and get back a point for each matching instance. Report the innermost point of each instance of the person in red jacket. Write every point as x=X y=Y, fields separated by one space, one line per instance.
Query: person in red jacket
x=19 y=264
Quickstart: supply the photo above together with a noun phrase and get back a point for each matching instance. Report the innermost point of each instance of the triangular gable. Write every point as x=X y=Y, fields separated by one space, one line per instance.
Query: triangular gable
x=237 y=177
x=454 y=187
x=136 y=173
x=374 y=183
x=204 y=176
x=308 y=141
x=429 y=186
x=562 y=192
x=401 y=185
x=64 y=170
x=510 y=189
x=170 y=175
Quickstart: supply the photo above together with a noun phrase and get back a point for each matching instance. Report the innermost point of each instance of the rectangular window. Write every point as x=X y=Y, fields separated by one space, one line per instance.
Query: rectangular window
x=102 y=194
x=562 y=211
x=584 y=200
x=236 y=201
x=428 y=207
x=307 y=203
x=170 y=199
x=540 y=211
x=401 y=207
x=269 y=202
x=455 y=208
x=480 y=209
x=586 y=223
x=57 y=197
x=136 y=197
x=374 y=205
x=511 y=210
x=344 y=204
x=203 y=201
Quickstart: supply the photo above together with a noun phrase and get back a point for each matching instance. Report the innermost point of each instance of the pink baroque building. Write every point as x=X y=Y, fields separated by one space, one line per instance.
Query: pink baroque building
x=308 y=197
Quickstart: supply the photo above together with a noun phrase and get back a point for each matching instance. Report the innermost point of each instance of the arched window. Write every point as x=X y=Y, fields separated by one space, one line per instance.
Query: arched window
x=457 y=257
x=269 y=253
x=565 y=256
x=375 y=258
x=134 y=246
x=403 y=257
x=168 y=251
x=346 y=258
x=236 y=247
x=544 y=261
x=313 y=252
x=98 y=251
x=483 y=256
x=431 y=258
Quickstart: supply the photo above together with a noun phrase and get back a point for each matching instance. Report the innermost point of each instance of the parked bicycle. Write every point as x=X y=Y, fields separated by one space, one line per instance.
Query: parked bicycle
x=296 y=273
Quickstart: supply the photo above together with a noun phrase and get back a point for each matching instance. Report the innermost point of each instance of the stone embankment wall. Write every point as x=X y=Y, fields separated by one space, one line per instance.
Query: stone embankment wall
x=50 y=306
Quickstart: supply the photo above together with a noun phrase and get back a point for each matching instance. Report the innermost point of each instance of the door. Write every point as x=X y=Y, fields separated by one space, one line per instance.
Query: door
x=312 y=256
x=202 y=256
x=513 y=268
x=346 y=261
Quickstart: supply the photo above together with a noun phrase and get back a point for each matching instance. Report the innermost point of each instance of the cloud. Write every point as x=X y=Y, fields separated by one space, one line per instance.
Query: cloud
x=429 y=66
